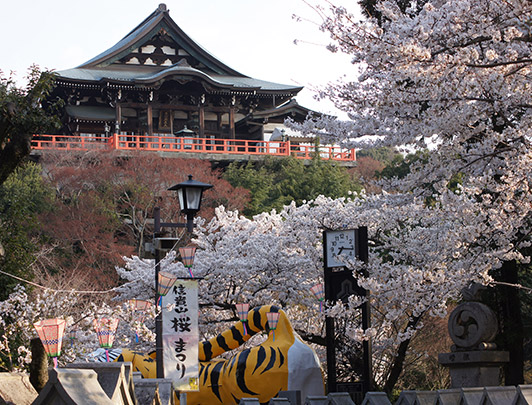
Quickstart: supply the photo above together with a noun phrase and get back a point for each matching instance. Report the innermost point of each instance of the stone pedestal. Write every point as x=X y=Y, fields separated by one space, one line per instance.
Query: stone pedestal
x=474 y=368
x=474 y=360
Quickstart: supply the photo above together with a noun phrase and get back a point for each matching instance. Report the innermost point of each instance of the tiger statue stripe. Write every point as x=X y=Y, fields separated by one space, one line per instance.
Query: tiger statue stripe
x=280 y=364
x=285 y=363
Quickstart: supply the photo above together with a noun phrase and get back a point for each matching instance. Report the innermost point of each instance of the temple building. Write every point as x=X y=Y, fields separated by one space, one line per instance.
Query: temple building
x=156 y=89
x=157 y=80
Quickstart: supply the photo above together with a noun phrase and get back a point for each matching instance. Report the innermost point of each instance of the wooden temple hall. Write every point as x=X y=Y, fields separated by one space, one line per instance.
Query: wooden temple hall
x=156 y=89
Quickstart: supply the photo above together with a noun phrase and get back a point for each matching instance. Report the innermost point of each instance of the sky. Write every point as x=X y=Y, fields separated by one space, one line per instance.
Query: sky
x=253 y=37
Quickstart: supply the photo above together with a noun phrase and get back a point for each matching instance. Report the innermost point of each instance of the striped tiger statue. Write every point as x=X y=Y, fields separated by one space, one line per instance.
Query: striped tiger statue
x=282 y=363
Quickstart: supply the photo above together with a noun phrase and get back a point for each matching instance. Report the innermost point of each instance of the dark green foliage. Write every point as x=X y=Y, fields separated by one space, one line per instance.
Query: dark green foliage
x=22 y=197
x=277 y=182
x=400 y=166
x=384 y=155
x=23 y=113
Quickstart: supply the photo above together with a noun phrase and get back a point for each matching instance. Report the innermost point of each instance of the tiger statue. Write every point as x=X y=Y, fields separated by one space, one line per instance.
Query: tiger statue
x=281 y=363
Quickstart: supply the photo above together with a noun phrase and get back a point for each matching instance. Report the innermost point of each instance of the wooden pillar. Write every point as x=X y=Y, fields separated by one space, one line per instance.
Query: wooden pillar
x=171 y=122
x=118 y=117
x=201 y=121
x=150 y=120
x=232 y=122
x=219 y=125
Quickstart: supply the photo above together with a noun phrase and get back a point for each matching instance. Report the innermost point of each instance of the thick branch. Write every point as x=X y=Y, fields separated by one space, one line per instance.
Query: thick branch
x=311 y=338
x=399 y=361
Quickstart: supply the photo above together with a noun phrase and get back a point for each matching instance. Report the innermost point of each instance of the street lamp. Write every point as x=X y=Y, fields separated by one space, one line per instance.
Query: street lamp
x=189 y=193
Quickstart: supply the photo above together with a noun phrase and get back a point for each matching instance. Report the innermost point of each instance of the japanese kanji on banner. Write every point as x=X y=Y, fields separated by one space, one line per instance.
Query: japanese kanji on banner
x=181 y=335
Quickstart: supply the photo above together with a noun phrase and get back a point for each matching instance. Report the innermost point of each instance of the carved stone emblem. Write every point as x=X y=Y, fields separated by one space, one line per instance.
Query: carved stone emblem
x=472 y=325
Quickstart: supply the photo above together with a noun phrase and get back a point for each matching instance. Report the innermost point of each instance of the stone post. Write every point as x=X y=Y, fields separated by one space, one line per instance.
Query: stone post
x=474 y=360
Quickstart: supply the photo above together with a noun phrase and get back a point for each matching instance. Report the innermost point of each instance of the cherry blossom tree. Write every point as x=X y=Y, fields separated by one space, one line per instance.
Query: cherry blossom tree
x=21 y=310
x=416 y=265
x=453 y=76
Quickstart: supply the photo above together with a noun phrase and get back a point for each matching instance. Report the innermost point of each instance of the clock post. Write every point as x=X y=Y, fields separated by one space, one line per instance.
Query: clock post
x=339 y=285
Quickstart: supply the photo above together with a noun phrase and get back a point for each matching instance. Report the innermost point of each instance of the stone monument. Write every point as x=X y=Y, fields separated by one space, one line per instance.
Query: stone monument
x=474 y=360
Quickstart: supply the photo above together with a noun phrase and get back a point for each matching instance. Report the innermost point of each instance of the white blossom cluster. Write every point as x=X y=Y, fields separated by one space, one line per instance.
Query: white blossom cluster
x=454 y=77
x=20 y=311
x=420 y=257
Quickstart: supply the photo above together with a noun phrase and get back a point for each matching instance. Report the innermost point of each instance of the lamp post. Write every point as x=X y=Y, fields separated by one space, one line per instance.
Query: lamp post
x=189 y=193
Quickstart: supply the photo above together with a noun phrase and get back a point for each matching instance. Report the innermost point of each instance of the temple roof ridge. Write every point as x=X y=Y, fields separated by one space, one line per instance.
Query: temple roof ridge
x=158 y=50
x=158 y=19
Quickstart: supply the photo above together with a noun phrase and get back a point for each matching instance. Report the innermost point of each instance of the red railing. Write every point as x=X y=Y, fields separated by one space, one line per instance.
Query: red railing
x=162 y=143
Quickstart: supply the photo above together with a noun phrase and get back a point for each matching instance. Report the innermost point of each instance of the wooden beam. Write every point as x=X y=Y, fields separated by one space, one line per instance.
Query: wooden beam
x=177 y=107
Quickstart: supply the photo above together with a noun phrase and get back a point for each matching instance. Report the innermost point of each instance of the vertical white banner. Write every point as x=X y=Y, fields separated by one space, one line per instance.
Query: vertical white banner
x=181 y=335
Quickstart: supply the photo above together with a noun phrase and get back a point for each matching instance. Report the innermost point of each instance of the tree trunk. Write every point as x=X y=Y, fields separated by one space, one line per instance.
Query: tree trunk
x=39 y=365
x=512 y=333
x=399 y=361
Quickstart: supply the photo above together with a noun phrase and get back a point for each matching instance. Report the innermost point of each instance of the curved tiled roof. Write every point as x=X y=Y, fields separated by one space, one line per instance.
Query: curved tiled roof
x=106 y=67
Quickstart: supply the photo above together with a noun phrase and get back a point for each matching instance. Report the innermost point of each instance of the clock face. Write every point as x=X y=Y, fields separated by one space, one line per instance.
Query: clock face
x=338 y=244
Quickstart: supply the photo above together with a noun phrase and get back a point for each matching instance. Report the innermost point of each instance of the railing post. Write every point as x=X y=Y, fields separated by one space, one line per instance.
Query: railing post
x=116 y=140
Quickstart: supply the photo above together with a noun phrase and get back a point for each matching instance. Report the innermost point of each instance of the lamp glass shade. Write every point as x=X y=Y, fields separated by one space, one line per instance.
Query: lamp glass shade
x=181 y=197
x=190 y=198
x=189 y=193
x=242 y=310
x=165 y=282
x=106 y=330
x=273 y=319
x=187 y=255
x=193 y=196
x=51 y=333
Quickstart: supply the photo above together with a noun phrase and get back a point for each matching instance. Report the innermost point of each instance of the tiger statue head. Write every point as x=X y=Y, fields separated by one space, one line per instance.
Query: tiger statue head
x=281 y=363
